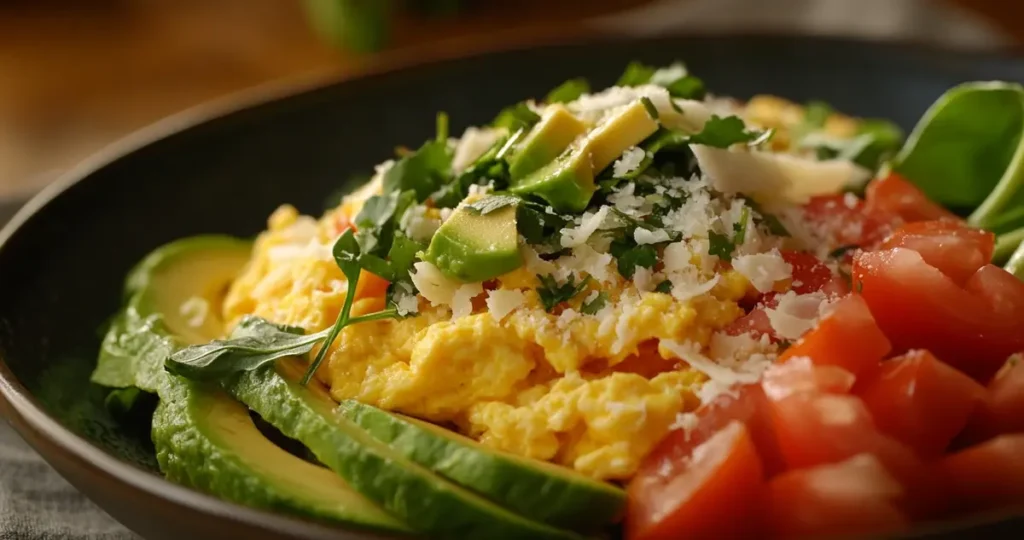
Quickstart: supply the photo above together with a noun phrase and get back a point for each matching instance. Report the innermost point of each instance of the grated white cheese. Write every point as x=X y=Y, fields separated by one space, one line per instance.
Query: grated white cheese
x=195 y=310
x=688 y=284
x=440 y=290
x=643 y=278
x=721 y=376
x=796 y=313
x=474 y=142
x=643 y=236
x=501 y=302
x=589 y=223
x=629 y=161
x=462 y=300
x=668 y=75
x=736 y=348
x=685 y=422
x=624 y=200
x=763 y=270
x=586 y=259
x=418 y=225
x=408 y=305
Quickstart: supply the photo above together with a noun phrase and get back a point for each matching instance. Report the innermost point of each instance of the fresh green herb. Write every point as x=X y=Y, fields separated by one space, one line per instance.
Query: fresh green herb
x=687 y=87
x=489 y=166
x=539 y=225
x=636 y=74
x=664 y=287
x=720 y=245
x=570 y=90
x=594 y=305
x=841 y=251
x=652 y=111
x=442 y=128
x=724 y=132
x=770 y=221
x=552 y=293
x=492 y=203
x=516 y=117
x=423 y=171
x=629 y=255
x=740 y=227
x=816 y=114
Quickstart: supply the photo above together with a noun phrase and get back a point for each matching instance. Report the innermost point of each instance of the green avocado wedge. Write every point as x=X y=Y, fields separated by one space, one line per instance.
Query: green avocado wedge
x=203 y=438
x=426 y=501
x=535 y=489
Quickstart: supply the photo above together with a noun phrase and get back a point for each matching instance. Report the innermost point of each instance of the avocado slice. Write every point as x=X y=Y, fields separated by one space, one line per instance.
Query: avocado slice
x=427 y=502
x=567 y=183
x=557 y=129
x=203 y=438
x=628 y=127
x=474 y=246
x=535 y=489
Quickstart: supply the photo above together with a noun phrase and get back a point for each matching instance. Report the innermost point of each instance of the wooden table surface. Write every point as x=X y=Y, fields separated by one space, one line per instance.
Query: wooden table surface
x=76 y=75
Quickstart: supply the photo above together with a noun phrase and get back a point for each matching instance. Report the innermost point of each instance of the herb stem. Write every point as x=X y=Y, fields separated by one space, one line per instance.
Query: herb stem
x=343 y=320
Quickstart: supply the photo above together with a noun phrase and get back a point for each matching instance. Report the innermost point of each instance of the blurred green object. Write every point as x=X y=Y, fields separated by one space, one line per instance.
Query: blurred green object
x=364 y=25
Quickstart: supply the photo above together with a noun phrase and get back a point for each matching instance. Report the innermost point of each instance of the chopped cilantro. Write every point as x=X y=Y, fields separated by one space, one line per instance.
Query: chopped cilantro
x=552 y=293
x=423 y=171
x=664 y=287
x=720 y=245
x=723 y=132
x=688 y=87
x=595 y=305
x=514 y=117
x=568 y=91
x=629 y=255
x=538 y=225
x=492 y=203
x=636 y=74
x=652 y=111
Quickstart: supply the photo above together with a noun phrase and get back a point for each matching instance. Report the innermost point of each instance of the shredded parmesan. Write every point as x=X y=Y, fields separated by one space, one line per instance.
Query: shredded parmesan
x=796 y=314
x=589 y=223
x=763 y=270
x=501 y=302
x=629 y=161
x=644 y=236
x=474 y=142
x=721 y=376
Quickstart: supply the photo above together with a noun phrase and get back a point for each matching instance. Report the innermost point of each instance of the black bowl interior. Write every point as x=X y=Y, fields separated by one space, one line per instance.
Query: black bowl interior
x=61 y=271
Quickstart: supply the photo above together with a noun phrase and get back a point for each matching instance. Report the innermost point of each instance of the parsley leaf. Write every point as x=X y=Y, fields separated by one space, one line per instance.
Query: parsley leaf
x=568 y=91
x=723 y=132
x=636 y=74
x=629 y=255
x=540 y=225
x=552 y=293
x=516 y=117
x=492 y=203
x=688 y=87
x=423 y=171
x=594 y=305
x=489 y=166
x=720 y=245
x=664 y=287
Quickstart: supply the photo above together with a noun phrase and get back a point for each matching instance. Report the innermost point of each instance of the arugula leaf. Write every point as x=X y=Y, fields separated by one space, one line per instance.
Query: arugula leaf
x=552 y=293
x=492 y=203
x=723 y=132
x=720 y=245
x=664 y=287
x=688 y=87
x=636 y=74
x=652 y=111
x=423 y=171
x=629 y=255
x=516 y=117
x=595 y=305
x=570 y=90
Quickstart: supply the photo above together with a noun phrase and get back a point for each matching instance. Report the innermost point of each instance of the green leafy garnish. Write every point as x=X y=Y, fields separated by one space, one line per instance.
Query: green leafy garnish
x=636 y=74
x=552 y=293
x=629 y=255
x=664 y=287
x=688 y=87
x=442 y=127
x=762 y=218
x=492 y=203
x=740 y=227
x=724 y=132
x=516 y=117
x=816 y=114
x=594 y=305
x=490 y=166
x=423 y=171
x=720 y=245
x=652 y=111
x=539 y=225
x=570 y=90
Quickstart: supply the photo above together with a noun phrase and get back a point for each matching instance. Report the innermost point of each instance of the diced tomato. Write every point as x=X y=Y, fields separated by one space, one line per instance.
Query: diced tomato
x=811 y=275
x=846 y=337
x=755 y=323
x=800 y=376
x=952 y=247
x=894 y=195
x=814 y=429
x=371 y=285
x=746 y=404
x=853 y=497
x=717 y=493
x=1002 y=409
x=988 y=475
x=921 y=401
x=918 y=307
x=845 y=219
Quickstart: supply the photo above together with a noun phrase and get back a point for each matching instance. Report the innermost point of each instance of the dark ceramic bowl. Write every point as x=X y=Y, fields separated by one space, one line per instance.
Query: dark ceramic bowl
x=223 y=169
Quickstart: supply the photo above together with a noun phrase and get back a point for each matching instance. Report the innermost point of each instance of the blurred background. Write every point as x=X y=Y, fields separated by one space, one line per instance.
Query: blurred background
x=75 y=75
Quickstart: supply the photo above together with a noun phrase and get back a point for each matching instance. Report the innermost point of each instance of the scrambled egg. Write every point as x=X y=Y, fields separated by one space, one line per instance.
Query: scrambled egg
x=590 y=392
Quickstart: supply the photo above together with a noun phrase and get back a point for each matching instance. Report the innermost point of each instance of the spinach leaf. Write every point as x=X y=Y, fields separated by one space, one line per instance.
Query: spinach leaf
x=516 y=117
x=967 y=150
x=570 y=90
x=552 y=293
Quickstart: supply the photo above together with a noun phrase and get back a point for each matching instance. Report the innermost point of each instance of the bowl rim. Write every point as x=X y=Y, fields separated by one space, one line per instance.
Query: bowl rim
x=29 y=419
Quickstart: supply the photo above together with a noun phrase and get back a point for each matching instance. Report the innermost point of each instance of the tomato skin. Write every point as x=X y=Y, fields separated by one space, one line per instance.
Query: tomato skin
x=894 y=195
x=921 y=401
x=952 y=247
x=853 y=497
x=800 y=376
x=811 y=275
x=918 y=307
x=846 y=337
x=1001 y=409
x=371 y=285
x=719 y=493
x=846 y=220
x=988 y=475
x=816 y=429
